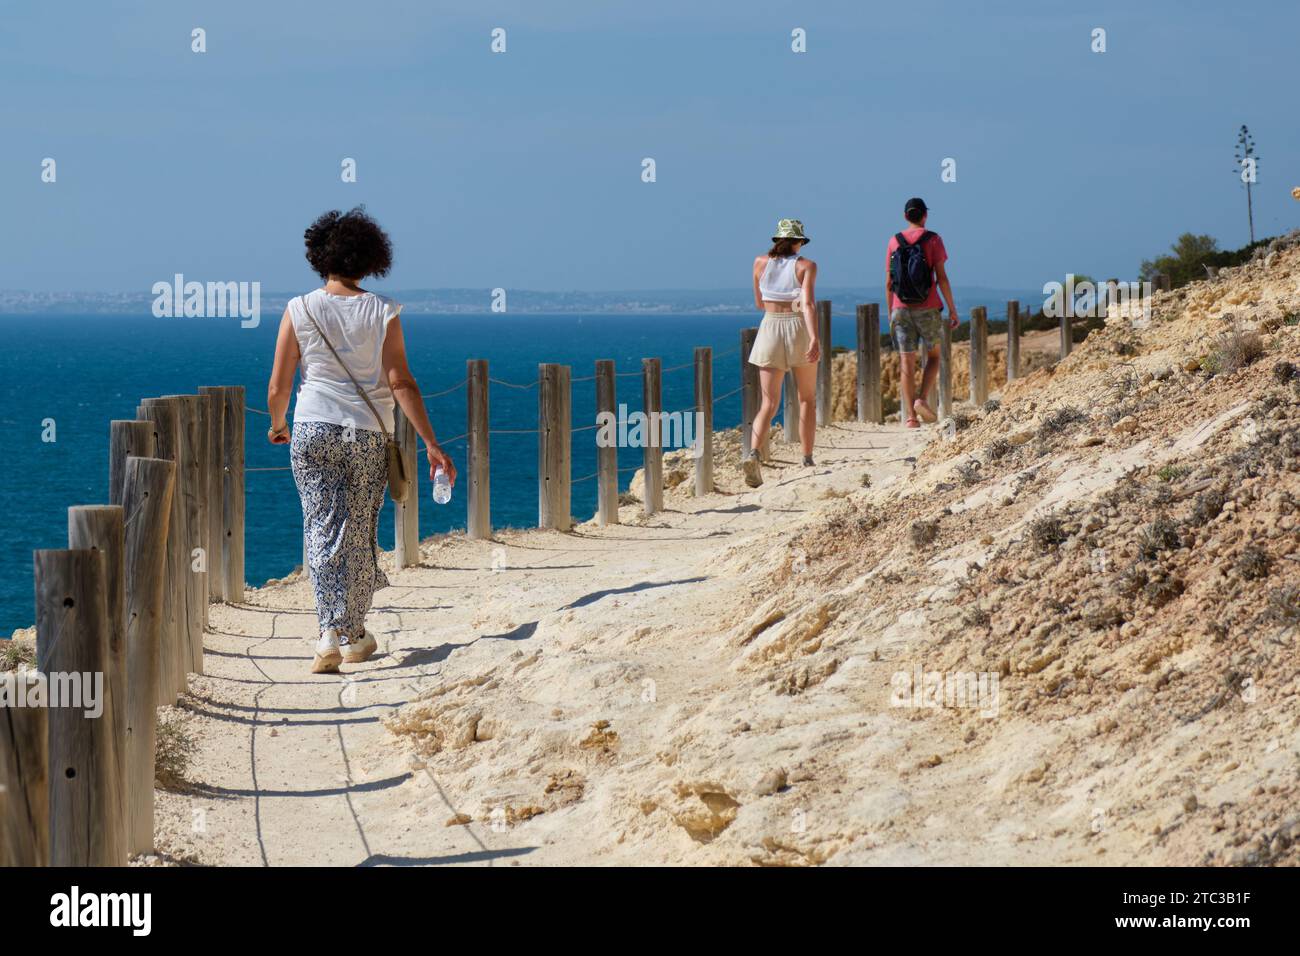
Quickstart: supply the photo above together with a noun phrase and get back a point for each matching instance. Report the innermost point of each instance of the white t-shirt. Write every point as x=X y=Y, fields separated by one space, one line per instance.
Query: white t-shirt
x=356 y=326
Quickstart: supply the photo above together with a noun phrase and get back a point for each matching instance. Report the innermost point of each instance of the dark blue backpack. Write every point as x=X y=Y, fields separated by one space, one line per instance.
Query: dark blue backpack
x=909 y=272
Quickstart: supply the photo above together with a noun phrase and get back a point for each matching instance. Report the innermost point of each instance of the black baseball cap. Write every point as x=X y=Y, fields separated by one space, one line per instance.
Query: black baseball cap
x=916 y=203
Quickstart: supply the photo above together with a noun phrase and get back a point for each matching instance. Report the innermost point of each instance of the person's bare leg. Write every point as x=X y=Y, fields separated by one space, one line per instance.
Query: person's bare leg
x=907 y=385
x=931 y=374
x=769 y=384
x=805 y=379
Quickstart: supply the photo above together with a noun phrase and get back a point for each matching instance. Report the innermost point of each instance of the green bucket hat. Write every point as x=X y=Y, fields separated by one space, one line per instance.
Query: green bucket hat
x=790 y=229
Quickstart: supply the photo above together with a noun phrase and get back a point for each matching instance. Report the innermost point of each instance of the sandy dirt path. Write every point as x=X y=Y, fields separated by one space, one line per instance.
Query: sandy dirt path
x=294 y=768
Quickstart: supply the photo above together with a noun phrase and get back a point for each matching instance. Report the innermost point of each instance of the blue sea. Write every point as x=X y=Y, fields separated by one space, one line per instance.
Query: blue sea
x=83 y=371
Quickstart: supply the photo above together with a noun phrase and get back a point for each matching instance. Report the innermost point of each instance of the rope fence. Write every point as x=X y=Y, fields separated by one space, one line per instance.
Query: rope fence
x=651 y=372
x=527 y=385
x=448 y=391
x=554 y=419
x=555 y=428
x=497 y=381
x=727 y=395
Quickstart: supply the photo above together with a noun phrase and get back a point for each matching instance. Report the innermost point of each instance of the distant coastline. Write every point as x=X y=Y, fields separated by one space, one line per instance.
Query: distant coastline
x=518 y=302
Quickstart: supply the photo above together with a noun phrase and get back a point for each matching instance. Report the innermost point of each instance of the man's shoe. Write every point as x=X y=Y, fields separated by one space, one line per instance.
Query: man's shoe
x=328 y=655
x=808 y=461
x=753 y=473
x=354 y=652
x=925 y=411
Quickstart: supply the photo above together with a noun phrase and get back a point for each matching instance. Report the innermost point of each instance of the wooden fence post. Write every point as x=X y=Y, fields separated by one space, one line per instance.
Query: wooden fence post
x=748 y=390
x=824 y=385
x=199 y=533
x=215 y=481
x=148 y=484
x=979 y=355
x=652 y=455
x=871 y=401
x=24 y=777
x=72 y=635
x=232 y=520
x=406 y=514
x=606 y=454
x=945 y=368
x=126 y=438
x=791 y=414
x=102 y=528
x=1067 y=331
x=704 y=420
x=189 y=477
x=478 y=498
x=200 y=537
x=1013 y=340
x=554 y=413
x=165 y=415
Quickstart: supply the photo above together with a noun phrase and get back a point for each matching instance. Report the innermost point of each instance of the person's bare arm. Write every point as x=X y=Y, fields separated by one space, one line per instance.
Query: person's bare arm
x=407 y=394
x=759 y=263
x=280 y=387
x=945 y=287
x=808 y=302
x=889 y=287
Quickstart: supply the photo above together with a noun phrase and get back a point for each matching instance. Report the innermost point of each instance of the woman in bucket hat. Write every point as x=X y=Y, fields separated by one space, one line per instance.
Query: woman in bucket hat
x=787 y=339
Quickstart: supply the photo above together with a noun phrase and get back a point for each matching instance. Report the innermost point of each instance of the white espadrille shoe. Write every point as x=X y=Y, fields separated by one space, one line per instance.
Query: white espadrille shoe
x=328 y=656
x=354 y=652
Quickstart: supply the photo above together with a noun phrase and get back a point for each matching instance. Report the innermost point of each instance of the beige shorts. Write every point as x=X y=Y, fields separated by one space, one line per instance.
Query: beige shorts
x=782 y=341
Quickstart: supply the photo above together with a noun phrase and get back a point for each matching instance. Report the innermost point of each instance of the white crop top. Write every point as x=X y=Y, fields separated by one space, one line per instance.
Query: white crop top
x=778 y=282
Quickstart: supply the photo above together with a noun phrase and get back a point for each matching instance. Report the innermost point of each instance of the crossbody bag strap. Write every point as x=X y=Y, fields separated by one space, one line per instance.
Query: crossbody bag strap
x=360 y=391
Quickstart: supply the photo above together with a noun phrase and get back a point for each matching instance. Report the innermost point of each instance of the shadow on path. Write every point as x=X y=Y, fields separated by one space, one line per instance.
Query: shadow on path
x=385 y=784
x=595 y=596
x=474 y=856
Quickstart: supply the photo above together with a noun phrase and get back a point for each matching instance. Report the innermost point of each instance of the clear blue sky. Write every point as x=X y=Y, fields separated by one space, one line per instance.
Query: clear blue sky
x=523 y=170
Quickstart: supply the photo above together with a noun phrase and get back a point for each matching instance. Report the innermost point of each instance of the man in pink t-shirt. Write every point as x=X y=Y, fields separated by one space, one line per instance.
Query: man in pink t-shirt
x=912 y=322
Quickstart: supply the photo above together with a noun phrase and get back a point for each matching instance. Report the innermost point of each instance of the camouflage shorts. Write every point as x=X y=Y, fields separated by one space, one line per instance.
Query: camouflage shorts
x=910 y=326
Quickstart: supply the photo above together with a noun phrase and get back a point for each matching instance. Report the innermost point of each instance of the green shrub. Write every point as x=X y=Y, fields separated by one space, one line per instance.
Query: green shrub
x=173 y=749
x=16 y=654
x=1234 y=350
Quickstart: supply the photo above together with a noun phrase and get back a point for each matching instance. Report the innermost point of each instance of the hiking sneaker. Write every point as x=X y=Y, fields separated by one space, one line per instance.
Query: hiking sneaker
x=807 y=461
x=354 y=652
x=328 y=654
x=753 y=473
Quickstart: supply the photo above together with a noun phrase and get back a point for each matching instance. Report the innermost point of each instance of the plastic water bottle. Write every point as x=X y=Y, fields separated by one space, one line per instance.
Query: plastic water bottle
x=441 y=486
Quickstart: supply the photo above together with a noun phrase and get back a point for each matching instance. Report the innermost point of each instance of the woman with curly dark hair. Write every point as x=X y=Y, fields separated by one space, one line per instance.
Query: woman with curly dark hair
x=348 y=345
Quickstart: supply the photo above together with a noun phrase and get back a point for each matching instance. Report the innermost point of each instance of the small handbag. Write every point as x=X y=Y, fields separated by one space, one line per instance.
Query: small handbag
x=398 y=484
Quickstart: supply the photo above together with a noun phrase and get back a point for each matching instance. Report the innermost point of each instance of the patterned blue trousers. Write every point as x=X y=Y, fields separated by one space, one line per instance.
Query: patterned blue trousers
x=341 y=475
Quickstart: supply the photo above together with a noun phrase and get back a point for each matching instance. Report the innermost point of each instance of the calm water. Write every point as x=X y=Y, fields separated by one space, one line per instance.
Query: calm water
x=83 y=372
